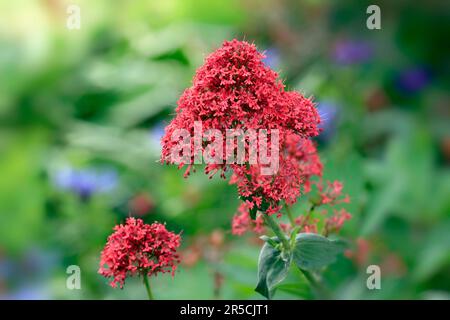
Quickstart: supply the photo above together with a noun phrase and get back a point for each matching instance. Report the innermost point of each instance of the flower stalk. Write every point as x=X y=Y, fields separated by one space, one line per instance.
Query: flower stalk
x=319 y=289
x=277 y=230
x=147 y=287
x=290 y=215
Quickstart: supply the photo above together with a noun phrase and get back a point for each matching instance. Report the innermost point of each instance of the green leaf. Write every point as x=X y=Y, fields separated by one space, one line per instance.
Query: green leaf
x=313 y=251
x=272 y=241
x=293 y=235
x=273 y=267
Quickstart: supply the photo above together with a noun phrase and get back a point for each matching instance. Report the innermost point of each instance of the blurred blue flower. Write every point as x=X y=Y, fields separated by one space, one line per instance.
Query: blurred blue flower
x=85 y=182
x=7 y=268
x=27 y=276
x=272 y=59
x=413 y=79
x=157 y=132
x=329 y=112
x=30 y=292
x=350 y=51
x=38 y=262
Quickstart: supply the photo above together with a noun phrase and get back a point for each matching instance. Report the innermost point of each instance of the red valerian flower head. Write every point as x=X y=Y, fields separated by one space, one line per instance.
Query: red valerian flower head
x=136 y=248
x=234 y=89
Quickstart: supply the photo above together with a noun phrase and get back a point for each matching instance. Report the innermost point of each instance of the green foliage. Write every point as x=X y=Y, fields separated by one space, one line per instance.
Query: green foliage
x=273 y=266
x=308 y=252
x=313 y=252
x=99 y=97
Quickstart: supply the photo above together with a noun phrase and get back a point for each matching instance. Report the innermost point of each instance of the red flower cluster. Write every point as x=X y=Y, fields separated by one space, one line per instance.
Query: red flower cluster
x=332 y=193
x=136 y=248
x=335 y=222
x=242 y=222
x=299 y=162
x=318 y=215
x=234 y=89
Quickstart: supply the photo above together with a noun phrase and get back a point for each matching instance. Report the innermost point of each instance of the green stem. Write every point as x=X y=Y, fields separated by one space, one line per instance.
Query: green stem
x=317 y=286
x=308 y=216
x=290 y=215
x=147 y=286
x=320 y=290
x=277 y=230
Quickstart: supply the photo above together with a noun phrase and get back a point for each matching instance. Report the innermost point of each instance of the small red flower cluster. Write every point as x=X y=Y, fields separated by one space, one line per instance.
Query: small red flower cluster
x=234 y=89
x=242 y=222
x=136 y=248
x=335 y=222
x=319 y=214
x=299 y=162
x=332 y=193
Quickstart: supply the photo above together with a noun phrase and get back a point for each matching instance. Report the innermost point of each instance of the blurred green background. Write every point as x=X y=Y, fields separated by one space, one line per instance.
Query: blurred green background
x=82 y=112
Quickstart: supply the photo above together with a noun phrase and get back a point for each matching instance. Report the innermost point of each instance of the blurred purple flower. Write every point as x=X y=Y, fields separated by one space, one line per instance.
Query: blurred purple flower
x=30 y=292
x=329 y=112
x=38 y=262
x=272 y=59
x=157 y=132
x=85 y=182
x=350 y=51
x=7 y=268
x=413 y=79
x=26 y=276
